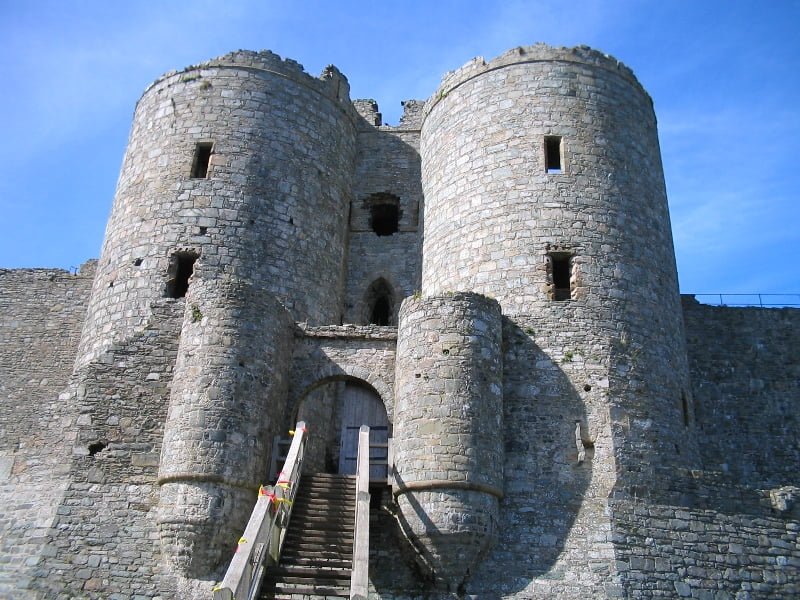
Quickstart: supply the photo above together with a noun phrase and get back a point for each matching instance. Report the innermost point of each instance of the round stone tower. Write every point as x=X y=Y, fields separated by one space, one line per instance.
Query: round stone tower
x=230 y=376
x=239 y=166
x=448 y=430
x=544 y=189
x=233 y=198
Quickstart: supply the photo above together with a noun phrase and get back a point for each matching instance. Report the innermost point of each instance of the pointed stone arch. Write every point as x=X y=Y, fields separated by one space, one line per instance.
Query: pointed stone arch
x=380 y=305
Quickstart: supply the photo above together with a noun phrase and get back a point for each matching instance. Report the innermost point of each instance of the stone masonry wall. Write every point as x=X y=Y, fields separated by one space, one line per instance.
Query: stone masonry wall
x=673 y=551
x=387 y=162
x=41 y=312
x=734 y=535
x=745 y=368
x=103 y=541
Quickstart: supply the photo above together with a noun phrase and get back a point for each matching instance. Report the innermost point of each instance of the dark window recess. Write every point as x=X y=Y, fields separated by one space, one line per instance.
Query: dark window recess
x=561 y=265
x=552 y=154
x=181 y=267
x=96 y=447
x=381 y=312
x=385 y=218
x=202 y=157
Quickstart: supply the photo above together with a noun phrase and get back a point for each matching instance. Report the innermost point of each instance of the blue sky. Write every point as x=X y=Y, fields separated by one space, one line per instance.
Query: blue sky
x=724 y=77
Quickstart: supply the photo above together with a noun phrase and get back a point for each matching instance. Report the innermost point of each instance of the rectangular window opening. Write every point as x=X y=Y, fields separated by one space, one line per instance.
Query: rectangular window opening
x=552 y=154
x=562 y=271
x=181 y=267
x=202 y=158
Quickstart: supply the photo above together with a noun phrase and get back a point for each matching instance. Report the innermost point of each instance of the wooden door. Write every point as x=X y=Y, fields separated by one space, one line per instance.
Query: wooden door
x=362 y=406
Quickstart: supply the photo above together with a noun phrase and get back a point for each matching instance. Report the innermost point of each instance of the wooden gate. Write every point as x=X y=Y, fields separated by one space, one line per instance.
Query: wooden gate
x=362 y=406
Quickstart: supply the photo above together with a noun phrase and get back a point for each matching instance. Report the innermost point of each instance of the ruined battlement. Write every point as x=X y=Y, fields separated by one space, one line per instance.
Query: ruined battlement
x=577 y=55
x=331 y=83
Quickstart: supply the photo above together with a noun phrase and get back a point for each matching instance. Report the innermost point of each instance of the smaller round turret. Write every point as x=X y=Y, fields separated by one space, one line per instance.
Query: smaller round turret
x=230 y=378
x=448 y=430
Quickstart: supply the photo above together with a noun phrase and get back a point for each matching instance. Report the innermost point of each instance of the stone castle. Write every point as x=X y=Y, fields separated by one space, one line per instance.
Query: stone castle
x=491 y=284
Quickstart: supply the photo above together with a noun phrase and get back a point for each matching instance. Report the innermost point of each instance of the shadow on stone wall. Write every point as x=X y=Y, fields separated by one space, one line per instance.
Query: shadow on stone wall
x=545 y=485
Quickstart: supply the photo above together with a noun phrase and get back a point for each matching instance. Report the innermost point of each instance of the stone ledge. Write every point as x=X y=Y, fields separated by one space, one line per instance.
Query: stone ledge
x=347 y=332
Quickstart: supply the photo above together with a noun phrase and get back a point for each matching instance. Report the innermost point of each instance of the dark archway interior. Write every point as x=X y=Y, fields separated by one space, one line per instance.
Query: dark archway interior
x=379 y=304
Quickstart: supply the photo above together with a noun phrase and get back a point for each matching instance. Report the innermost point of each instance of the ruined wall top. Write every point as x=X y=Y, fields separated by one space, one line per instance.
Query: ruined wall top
x=524 y=54
x=331 y=82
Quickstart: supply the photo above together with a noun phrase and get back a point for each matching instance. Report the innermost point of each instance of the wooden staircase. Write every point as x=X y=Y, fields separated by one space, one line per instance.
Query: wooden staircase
x=317 y=554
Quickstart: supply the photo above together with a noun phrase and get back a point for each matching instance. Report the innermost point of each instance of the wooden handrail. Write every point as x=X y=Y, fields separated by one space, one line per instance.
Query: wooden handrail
x=359 y=576
x=263 y=537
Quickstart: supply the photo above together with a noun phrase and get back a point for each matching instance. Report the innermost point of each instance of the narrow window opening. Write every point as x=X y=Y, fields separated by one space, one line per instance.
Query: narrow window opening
x=561 y=265
x=552 y=154
x=385 y=219
x=181 y=267
x=381 y=312
x=685 y=407
x=202 y=158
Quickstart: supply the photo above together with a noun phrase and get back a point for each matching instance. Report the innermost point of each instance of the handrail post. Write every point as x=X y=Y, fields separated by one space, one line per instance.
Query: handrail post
x=359 y=577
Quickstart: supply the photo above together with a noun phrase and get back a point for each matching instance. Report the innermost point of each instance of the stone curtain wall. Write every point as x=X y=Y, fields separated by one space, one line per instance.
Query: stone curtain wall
x=104 y=540
x=745 y=367
x=668 y=551
x=41 y=312
x=734 y=533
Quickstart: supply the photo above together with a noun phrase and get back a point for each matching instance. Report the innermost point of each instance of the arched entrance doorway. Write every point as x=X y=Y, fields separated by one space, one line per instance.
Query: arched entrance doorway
x=334 y=413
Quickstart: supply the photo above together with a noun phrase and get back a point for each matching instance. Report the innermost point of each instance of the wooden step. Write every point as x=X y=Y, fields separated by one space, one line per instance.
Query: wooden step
x=317 y=553
x=290 y=592
x=296 y=572
x=320 y=562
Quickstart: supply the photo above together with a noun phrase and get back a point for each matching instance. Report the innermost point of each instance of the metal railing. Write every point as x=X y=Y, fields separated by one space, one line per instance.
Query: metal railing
x=263 y=537
x=359 y=575
x=760 y=300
